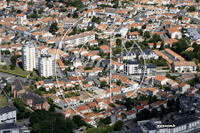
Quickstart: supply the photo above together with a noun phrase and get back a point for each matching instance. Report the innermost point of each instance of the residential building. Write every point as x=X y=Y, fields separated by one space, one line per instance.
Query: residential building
x=76 y=39
x=9 y=128
x=159 y=80
x=29 y=56
x=68 y=22
x=182 y=87
x=184 y=66
x=8 y=114
x=34 y=101
x=133 y=67
x=46 y=66
x=174 y=33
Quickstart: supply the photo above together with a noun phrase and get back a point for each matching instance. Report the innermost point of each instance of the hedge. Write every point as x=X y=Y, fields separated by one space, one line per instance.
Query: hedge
x=23 y=76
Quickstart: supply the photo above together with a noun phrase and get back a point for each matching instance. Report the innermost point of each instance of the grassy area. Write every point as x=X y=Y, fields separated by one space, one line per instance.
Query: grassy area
x=18 y=71
x=3 y=100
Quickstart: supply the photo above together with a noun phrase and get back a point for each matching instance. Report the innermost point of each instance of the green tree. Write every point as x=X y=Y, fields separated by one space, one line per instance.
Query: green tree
x=147 y=34
x=103 y=84
x=191 y=9
x=78 y=121
x=162 y=47
x=53 y=28
x=52 y=108
x=118 y=125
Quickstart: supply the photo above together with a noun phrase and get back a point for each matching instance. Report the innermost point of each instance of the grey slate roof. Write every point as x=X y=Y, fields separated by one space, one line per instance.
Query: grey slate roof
x=47 y=81
x=134 y=130
x=182 y=121
x=36 y=99
x=6 y=109
x=19 y=85
x=150 y=126
x=132 y=62
x=8 y=126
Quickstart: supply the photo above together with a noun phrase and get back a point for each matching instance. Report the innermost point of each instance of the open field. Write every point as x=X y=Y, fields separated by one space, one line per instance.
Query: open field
x=3 y=100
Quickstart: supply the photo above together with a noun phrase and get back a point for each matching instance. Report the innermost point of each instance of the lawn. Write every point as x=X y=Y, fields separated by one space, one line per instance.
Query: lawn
x=3 y=100
x=18 y=71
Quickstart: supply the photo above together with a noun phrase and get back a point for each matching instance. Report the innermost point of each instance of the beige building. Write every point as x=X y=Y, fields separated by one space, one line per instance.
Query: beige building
x=184 y=66
x=29 y=56
x=46 y=66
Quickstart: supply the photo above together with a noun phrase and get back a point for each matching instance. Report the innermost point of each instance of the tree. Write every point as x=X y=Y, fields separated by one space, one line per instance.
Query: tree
x=4 y=67
x=191 y=9
x=180 y=46
x=78 y=121
x=147 y=34
x=154 y=45
x=118 y=125
x=103 y=84
x=150 y=21
x=144 y=26
x=53 y=28
x=141 y=32
x=198 y=68
x=162 y=47
x=75 y=15
x=52 y=108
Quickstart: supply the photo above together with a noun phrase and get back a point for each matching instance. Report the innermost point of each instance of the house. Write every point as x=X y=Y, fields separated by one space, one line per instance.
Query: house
x=174 y=33
x=194 y=34
x=7 y=115
x=131 y=114
x=171 y=83
x=151 y=91
x=197 y=94
x=187 y=77
x=132 y=35
x=184 y=66
x=159 y=80
x=157 y=104
x=104 y=49
x=84 y=109
x=34 y=101
x=93 y=43
x=182 y=87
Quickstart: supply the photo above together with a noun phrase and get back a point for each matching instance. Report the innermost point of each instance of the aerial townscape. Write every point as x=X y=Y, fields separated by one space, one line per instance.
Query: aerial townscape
x=91 y=66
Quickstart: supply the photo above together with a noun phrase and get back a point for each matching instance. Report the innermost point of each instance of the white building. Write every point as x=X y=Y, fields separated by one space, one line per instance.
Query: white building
x=76 y=39
x=46 y=66
x=7 y=115
x=133 y=67
x=184 y=66
x=29 y=56
x=68 y=22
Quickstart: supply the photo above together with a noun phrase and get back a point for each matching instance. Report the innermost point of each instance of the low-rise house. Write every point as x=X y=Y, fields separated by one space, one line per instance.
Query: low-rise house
x=174 y=33
x=132 y=35
x=171 y=83
x=159 y=80
x=84 y=109
x=157 y=104
x=151 y=91
x=182 y=87
x=187 y=77
x=104 y=49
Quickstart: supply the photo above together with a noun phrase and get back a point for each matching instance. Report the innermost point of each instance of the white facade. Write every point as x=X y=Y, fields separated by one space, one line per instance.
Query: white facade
x=29 y=56
x=7 y=115
x=46 y=66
